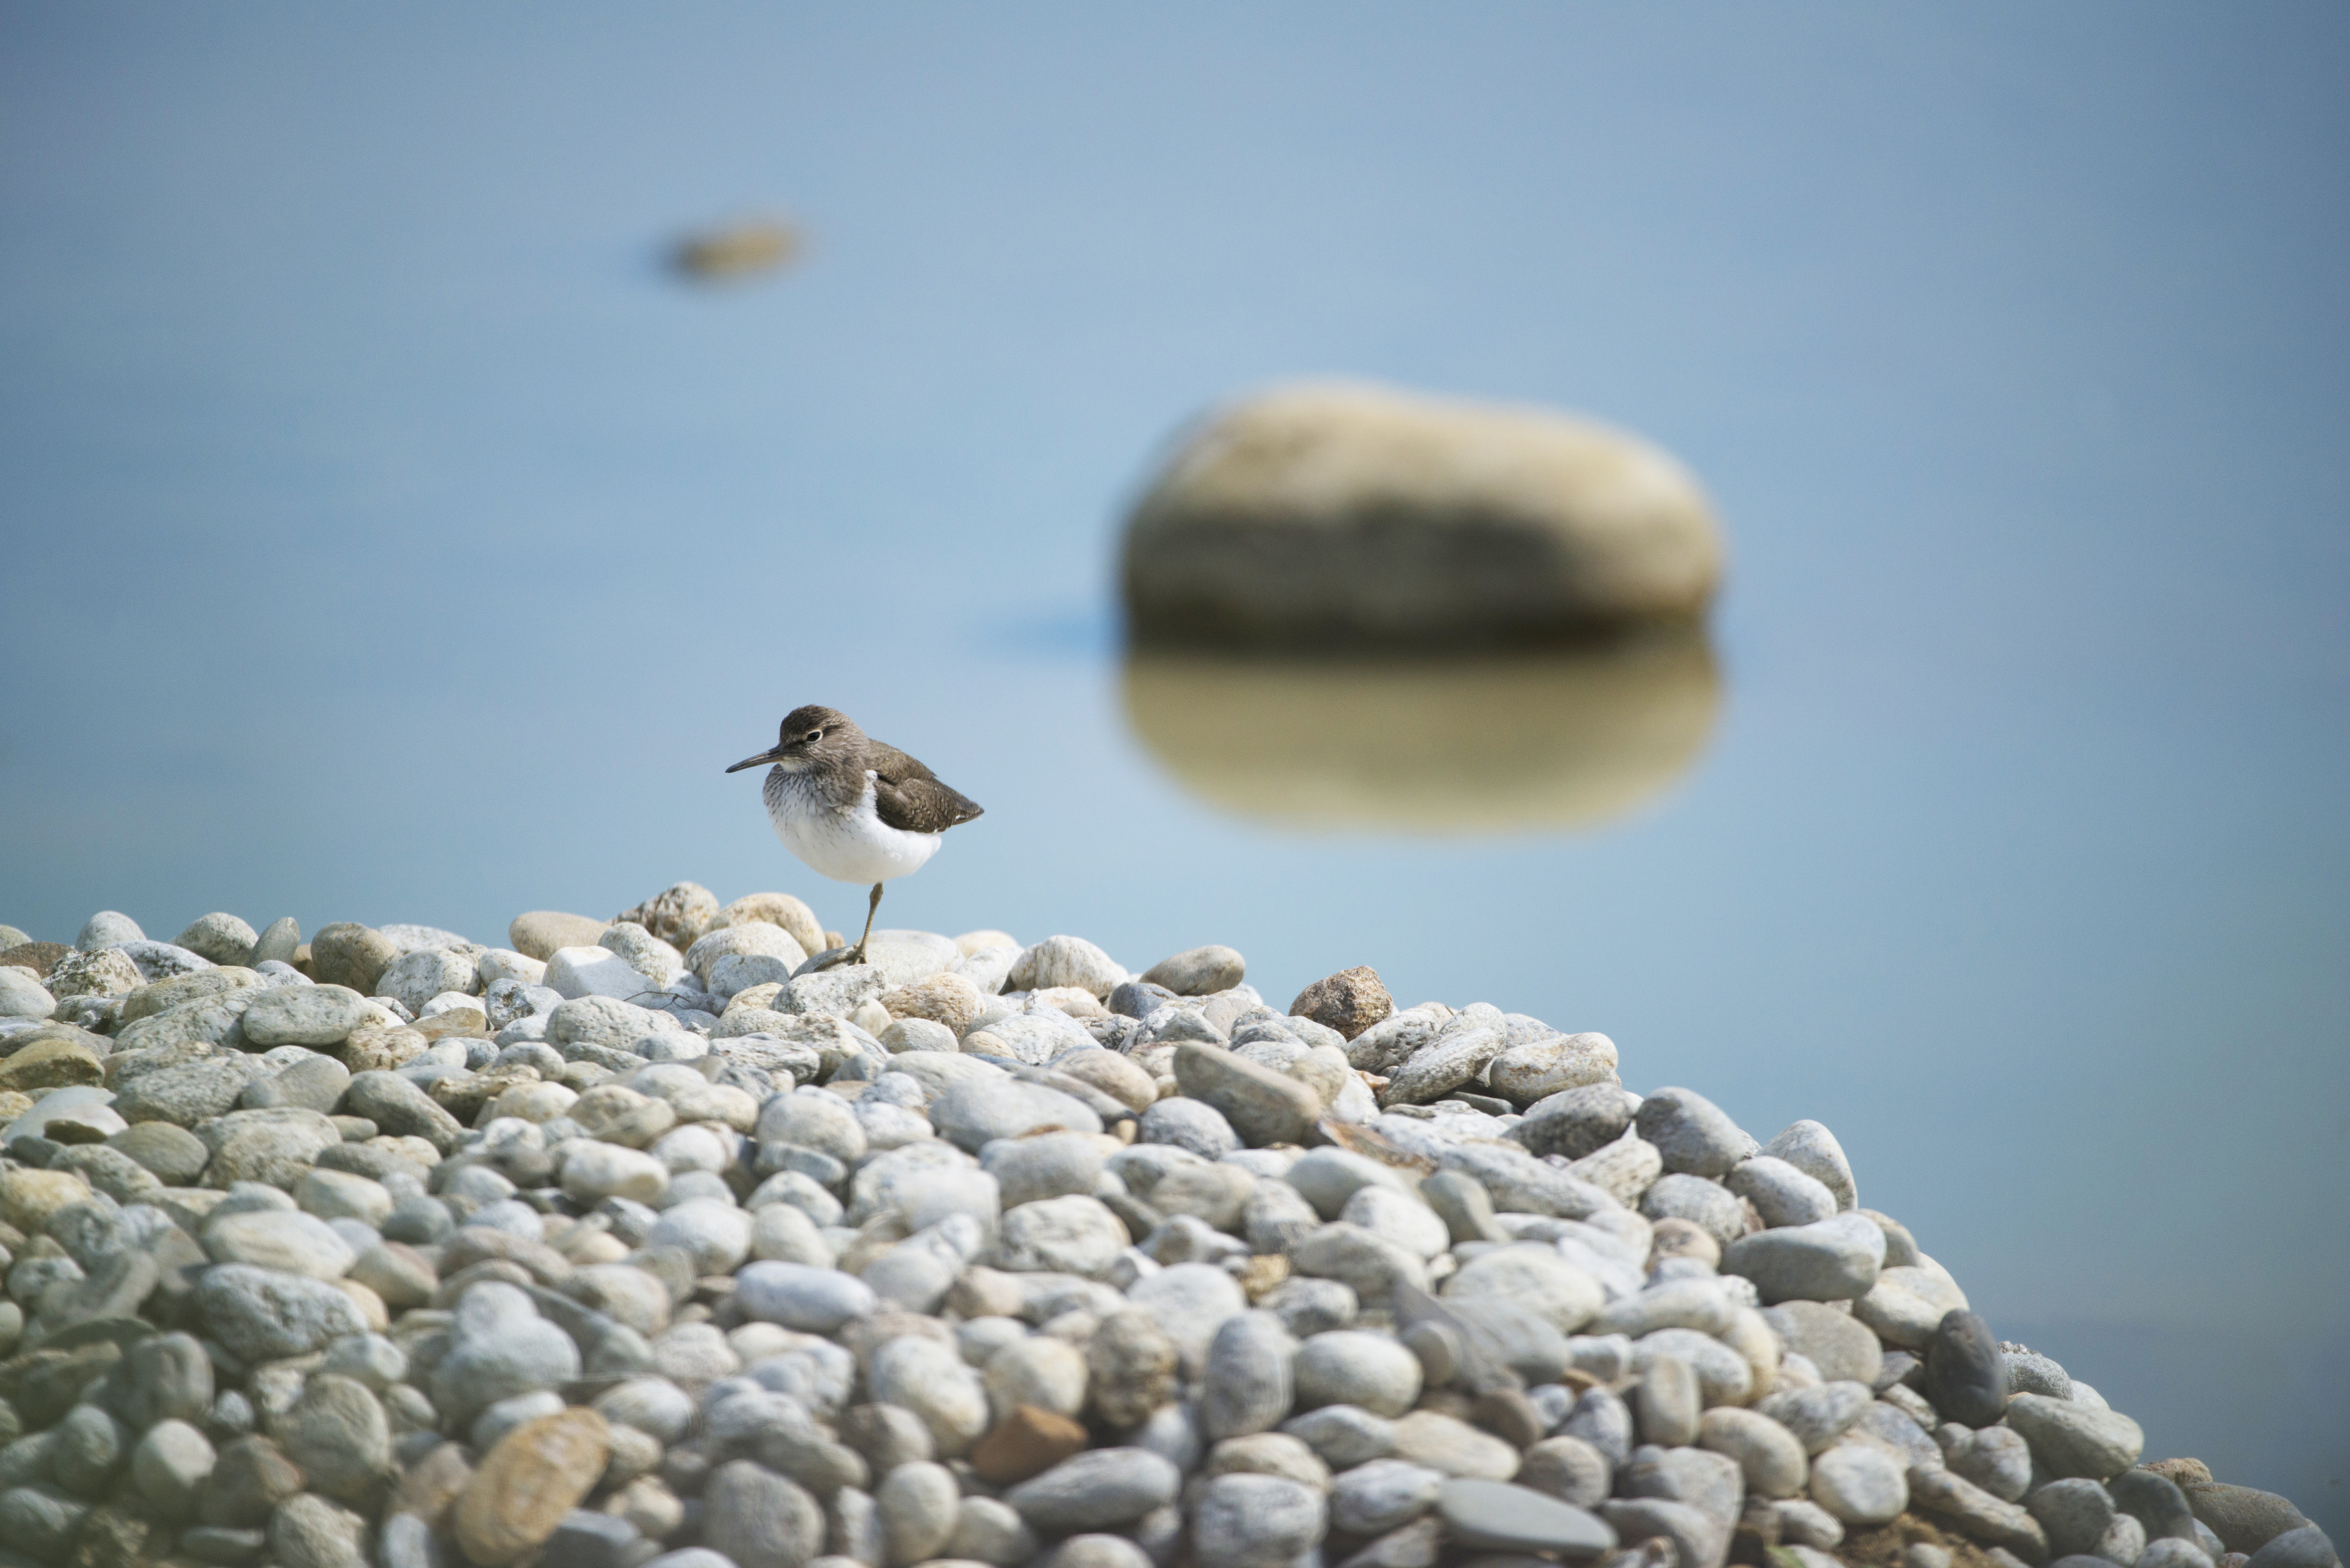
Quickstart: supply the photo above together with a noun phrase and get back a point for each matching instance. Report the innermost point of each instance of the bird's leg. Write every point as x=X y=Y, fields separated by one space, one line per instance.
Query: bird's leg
x=871 y=904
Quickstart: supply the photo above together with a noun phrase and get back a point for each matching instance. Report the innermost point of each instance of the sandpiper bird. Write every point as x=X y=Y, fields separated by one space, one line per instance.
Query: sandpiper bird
x=853 y=809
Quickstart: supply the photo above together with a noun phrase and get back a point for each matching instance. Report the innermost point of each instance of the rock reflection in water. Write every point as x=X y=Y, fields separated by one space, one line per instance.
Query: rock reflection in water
x=1513 y=743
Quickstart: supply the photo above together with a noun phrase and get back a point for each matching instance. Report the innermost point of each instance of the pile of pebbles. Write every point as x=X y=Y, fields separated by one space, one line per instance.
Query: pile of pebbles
x=673 y=1240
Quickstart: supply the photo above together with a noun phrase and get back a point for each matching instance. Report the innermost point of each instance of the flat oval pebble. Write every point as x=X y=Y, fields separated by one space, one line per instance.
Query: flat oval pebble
x=1501 y=1517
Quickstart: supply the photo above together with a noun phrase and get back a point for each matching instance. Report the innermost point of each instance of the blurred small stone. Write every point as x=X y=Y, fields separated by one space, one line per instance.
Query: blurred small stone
x=737 y=251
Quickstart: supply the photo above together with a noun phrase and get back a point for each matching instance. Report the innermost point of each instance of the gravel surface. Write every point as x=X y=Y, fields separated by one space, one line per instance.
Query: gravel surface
x=671 y=1240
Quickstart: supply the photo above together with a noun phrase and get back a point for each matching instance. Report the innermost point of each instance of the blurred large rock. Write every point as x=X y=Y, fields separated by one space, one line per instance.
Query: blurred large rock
x=1331 y=513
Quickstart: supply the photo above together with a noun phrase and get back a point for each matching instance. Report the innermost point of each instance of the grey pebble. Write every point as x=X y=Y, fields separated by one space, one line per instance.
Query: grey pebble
x=1833 y=1260
x=1708 y=1205
x=1247 y=1384
x=1781 y=1194
x=1601 y=1418
x=1667 y=1402
x=1693 y=1133
x=1382 y=1495
x=1343 y=1436
x=1096 y=1490
x=1256 y=1521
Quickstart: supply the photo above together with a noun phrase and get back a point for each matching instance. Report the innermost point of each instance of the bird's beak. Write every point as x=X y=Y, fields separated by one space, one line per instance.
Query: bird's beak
x=772 y=754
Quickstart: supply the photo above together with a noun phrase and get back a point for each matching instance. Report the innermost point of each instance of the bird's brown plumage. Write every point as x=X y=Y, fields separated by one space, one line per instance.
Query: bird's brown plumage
x=906 y=794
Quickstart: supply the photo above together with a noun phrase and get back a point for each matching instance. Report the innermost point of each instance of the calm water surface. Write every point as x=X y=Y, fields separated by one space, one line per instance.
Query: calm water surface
x=387 y=539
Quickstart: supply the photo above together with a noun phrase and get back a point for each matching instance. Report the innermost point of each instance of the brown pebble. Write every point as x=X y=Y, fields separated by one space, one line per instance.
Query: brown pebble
x=38 y=956
x=1349 y=1002
x=537 y=1474
x=1026 y=1442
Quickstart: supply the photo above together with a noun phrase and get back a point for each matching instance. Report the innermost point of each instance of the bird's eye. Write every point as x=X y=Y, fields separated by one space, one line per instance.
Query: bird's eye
x=814 y=736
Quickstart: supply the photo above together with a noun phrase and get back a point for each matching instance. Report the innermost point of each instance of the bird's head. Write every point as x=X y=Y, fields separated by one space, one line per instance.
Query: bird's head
x=807 y=738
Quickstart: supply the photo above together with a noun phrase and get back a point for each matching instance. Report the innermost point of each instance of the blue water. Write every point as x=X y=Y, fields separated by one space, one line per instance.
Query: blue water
x=384 y=536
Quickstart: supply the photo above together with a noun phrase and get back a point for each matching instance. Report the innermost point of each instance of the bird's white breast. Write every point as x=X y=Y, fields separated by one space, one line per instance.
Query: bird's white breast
x=847 y=846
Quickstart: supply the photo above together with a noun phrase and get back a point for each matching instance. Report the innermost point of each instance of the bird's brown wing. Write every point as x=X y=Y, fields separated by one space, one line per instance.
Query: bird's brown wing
x=908 y=796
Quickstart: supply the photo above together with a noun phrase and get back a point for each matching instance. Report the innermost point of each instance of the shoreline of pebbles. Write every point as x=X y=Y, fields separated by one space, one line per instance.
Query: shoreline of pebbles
x=654 y=1242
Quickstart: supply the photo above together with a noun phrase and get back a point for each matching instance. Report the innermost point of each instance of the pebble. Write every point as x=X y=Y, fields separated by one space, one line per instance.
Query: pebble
x=308 y=1531
x=1534 y=1276
x=1074 y=1235
x=1568 y=1469
x=1188 y=1302
x=1818 y=1417
x=1261 y=1105
x=1833 y=1260
x=1382 y=1495
x=1907 y=1304
x=2244 y=1518
x=2070 y=1439
x=22 y=995
x=1198 y=971
x=977 y=1111
x=1770 y=1457
x=1999 y=1460
x=292 y=1243
x=1668 y=1401
x=1456 y=1056
x=1247 y=1384
x=1940 y=1495
x=171 y=1467
x=1025 y=1441
x=917 y=1504
x=593 y=1171
x=1097 y=1490
x=2306 y=1547
x=499 y=1347
x=1349 y=1002
x=932 y=1381
x=312 y=1015
x=339 y=1434
x=1966 y=1376
x=2032 y=1374
x=1695 y=1137
x=2154 y=1499
x=2074 y=1514
x=1064 y=961
x=798 y=1296
x=261 y=1315
x=1840 y=1347
x=1531 y=1072
x=1256 y=1521
x=106 y=928
x=1704 y=1204
x=754 y=1518
x=1453 y=1447
x=1502 y=1517
x=1192 y=1125
x=1357 y=1367
x=1859 y=1483
x=1781 y=1194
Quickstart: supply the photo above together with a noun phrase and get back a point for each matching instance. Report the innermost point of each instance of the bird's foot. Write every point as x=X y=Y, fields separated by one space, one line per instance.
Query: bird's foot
x=834 y=958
